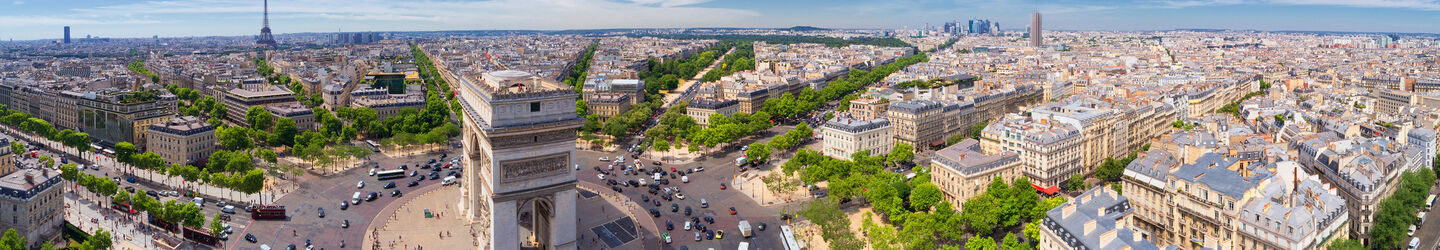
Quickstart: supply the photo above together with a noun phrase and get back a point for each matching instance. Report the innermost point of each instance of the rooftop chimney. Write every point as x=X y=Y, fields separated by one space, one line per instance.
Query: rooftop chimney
x=1089 y=227
x=1107 y=237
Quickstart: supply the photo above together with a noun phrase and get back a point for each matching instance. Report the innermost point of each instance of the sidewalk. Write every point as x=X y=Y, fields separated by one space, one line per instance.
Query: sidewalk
x=269 y=194
x=125 y=230
x=407 y=227
x=648 y=228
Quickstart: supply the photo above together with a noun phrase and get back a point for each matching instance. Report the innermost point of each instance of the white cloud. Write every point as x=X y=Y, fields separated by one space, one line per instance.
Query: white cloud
x=1402 y=4
x=17 y=2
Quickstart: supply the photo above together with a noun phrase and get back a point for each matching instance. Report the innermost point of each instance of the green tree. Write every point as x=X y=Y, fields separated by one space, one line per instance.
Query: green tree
x=259 y=118
x=980 y=243
x=234 y=138
x=925 y=196
x=123 y=150
x=215 y=226
x=901 y=153
x=758 y=153
x=1011 y=243
x=285 y=131
x=581 y=108
x=662 y=146
x=1346 y=244
x=1077 y=182
x=12 y=240
x=1032 y=230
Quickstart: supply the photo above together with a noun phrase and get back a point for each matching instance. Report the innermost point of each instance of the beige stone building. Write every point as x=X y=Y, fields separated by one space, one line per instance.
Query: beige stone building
x=1219 y=203
x=608 y=104
x=701 y=109
x=916 y=122
x=182 y=140
x=1049 y=151
x=35 y=203
x=845 y=136
x=962 y=171
x=869 y=108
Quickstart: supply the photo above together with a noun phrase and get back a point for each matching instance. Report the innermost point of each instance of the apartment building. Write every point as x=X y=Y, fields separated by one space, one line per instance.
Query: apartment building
x=1219 y=203
x=608 y=105
x=1093 y=220
x=239 y=100
x=916 y=122
x=303 y=116
x=702 y=109
x=845 y=135
x=1049 y=151
x=962 y=171
x=182 y=140
x=34 y=196
x=1365 y=170
x=111 y=116
x=387 y=106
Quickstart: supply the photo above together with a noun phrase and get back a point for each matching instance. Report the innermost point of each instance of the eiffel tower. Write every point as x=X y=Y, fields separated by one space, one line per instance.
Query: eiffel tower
x=265 y=38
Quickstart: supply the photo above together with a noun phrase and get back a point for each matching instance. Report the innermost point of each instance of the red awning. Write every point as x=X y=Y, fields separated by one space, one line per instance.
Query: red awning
x=1047 y=190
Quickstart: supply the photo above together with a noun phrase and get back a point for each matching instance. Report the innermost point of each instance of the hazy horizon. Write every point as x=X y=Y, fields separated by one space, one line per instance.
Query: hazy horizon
x=43 y=20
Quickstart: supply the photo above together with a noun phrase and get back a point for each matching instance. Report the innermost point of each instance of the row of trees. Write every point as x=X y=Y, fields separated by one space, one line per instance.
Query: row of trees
x=180 y=212
x=138 y=66
x=234 y=170
x=13 y=241
x=789 y=105
x=1234 y=107
x=667 y=74
x=67 y=137
x=741 y=60
x=1397 y=213
x=576 y=77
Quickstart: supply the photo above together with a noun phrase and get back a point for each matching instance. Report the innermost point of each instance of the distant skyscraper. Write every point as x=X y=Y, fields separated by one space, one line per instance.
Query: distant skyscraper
x=982 y=26
x=265 y=38
x=67 y=34
x=1035 y=36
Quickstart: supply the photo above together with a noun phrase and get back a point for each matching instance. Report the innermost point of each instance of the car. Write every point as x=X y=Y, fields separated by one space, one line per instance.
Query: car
x=604 y=158
x=406 y=167
x=666 y=236
x=432 y=161
x=710 y=235
x=602 y=176
x=616 y=188
x=669 y=226
x=227 y=227
x=372 y=196
x=709 y=219
x=345 y=224
x=361 y=184
x=251 y=238
x=687 y=210
x=95 y=167
x=674 y=208
x=687 y=225
x=685 y=179
x=704 y=204
x=722 y=186
x=390 y=184
x=199 y=202
x=719 y=234
x=414 y=172
x=152 y=193
x=657 y=203
x=657 y=163
x=697 y=236
x=732 y=210
x=229 y=209
x=453 y=173
x=644 y=198
x=372 y=172
x=395 y=193
x=655 y=213
x=344 y=205
x=130 y=179
x=225 y=217
x=761 y=227
x=321 y=211
x=413 y=183
x=699 y=169
x=425 y=166
x=434 y=175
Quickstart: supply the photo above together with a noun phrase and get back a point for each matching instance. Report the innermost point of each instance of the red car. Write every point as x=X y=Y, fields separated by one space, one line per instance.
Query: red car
x=732 y=210
x=722 y=186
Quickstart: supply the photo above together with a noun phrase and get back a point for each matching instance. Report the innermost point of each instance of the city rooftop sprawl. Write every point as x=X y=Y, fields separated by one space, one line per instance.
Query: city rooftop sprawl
x=1178 y=139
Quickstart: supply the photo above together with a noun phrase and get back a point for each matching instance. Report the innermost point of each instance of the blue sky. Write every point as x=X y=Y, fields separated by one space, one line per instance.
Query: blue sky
x=43 y=19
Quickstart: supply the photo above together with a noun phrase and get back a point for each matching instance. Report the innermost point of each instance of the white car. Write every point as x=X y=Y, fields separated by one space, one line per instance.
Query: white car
x=372 y=172
x=602 y=176
x=360 y=184
x=685 y=179
x=687 y=225
x=604 y=158
x=699 y=169
x=680 y=196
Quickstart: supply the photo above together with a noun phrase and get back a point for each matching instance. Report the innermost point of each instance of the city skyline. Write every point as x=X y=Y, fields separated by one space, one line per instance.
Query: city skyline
x=35 y=20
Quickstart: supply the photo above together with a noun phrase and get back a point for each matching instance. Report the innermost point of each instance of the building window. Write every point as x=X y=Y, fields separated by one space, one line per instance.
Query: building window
x=534 y=107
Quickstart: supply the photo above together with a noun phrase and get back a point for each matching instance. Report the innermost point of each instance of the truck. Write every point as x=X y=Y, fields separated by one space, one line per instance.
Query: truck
x=741 y=161
x=745 y=229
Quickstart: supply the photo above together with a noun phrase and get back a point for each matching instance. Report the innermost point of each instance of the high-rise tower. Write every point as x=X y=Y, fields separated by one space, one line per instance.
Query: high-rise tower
x=1035 y=36
x=67 y=34
x=265 y=38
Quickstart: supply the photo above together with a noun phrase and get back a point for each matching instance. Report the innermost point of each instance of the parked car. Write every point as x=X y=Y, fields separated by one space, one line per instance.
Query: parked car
x=412 y=184
x=345 y=224
x=372 y=196
x=361 y=184
x=251 y=238
x=321 y=212
x=390 y=184
x=344 y=205
x=395 y=193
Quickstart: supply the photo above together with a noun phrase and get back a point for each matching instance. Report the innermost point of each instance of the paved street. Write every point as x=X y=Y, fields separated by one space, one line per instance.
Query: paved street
x=703 y=185
x=1429 y=232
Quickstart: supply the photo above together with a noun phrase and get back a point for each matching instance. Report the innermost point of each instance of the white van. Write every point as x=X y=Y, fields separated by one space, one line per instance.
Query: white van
x=229 y=209
x=448 y=180
x=199 y=202
x=355 y=200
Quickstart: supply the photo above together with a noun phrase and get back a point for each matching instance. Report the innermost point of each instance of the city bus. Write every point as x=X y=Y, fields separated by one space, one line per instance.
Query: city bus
x=201 y=236
x=162 y=224
x=268 y=212
x=390 y=174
